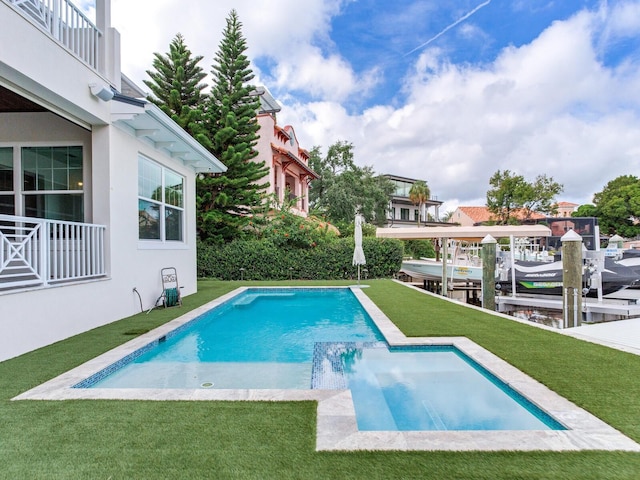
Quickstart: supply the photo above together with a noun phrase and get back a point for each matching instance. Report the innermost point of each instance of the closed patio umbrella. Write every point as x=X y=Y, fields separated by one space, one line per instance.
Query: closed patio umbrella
x=358 y=253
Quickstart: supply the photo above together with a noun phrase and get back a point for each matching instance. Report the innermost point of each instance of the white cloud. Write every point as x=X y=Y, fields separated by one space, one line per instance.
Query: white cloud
x=625 y=19
x=550 y=107
x=299 y=71
x=288 y=32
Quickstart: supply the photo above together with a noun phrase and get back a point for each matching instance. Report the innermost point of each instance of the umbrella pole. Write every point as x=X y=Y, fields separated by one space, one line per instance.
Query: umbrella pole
x=358 y=274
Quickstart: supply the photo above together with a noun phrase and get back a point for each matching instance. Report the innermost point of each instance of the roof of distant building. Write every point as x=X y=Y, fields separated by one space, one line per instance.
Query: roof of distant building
x=402 y=179
x=292 y=158
x=482 y=214
x=268 y=104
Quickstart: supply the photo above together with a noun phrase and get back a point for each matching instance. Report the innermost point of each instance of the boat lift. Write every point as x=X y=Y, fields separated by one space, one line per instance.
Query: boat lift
x=622 y=304
x=470 y=234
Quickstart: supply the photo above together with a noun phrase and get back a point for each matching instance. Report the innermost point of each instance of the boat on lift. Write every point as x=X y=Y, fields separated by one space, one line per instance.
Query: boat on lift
x=465 y=265
x=545 y=278
x=431 y=269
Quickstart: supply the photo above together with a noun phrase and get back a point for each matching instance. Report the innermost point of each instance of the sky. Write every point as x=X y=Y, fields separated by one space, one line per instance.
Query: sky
x=444 y=91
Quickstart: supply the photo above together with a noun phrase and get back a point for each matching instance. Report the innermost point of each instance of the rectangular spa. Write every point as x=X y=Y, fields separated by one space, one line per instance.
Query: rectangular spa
x=434 y=388
x=324 y=339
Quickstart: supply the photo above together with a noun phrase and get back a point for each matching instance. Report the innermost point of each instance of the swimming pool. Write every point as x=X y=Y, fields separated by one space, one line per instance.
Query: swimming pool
x=324 y=339
x=263 y=338
x=336 y=424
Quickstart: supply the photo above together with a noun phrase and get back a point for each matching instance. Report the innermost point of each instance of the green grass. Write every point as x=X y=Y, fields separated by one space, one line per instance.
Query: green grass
x=262 y=440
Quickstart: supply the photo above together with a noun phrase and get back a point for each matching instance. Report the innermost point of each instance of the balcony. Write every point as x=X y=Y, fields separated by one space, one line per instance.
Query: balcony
x=66 y=24
x=37 y=253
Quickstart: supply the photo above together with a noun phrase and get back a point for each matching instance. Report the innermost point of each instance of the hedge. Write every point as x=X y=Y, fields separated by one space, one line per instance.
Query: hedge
x=262 y=260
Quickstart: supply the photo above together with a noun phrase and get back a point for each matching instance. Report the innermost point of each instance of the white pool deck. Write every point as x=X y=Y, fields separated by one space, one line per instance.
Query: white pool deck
x=336 y=420
x=621 y=334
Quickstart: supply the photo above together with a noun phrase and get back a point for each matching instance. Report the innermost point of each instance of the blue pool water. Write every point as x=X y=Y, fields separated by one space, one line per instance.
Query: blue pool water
x=260 y=339
x=324 y=339
x=437 y=388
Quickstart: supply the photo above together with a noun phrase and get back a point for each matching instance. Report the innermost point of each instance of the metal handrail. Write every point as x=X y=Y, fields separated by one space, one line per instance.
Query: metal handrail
x=65 y=23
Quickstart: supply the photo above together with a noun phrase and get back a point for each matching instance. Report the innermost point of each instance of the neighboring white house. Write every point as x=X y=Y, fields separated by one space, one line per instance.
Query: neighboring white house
x=403 y=212
x=97 y=189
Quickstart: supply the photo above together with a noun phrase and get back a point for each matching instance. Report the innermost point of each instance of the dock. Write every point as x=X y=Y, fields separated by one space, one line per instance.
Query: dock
x=618 y=306
x=469 y=291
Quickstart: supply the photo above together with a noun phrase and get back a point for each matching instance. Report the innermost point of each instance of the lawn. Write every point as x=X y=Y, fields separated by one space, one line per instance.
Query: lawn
x=262 y=440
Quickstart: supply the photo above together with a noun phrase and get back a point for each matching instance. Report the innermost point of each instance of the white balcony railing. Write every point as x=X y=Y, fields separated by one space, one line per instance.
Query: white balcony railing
x=66 y=24
x=37 y=252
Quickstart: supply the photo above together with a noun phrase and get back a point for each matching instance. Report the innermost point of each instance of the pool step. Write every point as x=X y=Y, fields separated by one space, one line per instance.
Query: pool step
x=249 y=298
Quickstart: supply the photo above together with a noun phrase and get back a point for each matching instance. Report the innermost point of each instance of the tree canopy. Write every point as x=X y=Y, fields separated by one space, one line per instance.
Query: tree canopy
x=176 y=88
x=617 y=206
x=419 y=194
x=224 y=201
x=513 y=199
x=345 y=188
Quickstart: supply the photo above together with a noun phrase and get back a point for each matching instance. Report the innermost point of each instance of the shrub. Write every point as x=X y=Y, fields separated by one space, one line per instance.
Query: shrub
x=329 y=260
x=286 y=229
x=419 y=248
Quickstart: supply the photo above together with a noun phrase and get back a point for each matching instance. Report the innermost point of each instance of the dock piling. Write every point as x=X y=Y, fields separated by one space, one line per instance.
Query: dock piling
x=572 y=279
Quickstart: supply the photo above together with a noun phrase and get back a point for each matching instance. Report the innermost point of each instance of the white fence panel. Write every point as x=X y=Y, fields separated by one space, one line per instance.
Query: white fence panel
x=38 y=252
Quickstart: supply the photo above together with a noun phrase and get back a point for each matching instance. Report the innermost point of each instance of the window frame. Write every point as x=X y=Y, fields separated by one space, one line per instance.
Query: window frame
x=163 y=205
x=19 y=192
x=11 y=193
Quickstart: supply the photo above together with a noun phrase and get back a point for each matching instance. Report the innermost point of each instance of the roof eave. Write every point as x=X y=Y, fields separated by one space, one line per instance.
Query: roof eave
x=147 y=121
x=216 y=166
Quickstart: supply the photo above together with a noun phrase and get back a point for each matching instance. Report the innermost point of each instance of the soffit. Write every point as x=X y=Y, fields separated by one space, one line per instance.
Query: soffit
x=148 y=123
x=295 y=160
x=466 y=233
x=11 y=102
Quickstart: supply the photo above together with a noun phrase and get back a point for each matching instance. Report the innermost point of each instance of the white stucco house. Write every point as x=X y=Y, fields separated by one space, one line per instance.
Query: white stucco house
x=402 y=212
x=97 y=189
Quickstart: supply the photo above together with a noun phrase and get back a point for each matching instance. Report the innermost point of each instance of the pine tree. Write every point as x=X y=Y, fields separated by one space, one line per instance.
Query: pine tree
x=177 y=89
x=225 y=201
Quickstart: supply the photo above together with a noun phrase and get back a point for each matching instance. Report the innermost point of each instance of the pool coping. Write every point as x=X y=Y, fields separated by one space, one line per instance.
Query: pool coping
x=336 y=421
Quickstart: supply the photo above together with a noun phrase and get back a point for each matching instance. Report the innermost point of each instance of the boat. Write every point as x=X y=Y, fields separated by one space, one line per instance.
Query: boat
x=537 y=270
x=538 y=277
x=431 y=269
x=545 y=278
x=631 y=258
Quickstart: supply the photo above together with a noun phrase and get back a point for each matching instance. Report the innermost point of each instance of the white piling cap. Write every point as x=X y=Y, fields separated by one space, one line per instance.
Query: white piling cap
x=488 y=239
x=571 y=236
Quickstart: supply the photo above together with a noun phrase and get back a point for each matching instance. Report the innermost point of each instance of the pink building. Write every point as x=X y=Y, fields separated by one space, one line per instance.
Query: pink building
x=289 y=172
x=565 y=209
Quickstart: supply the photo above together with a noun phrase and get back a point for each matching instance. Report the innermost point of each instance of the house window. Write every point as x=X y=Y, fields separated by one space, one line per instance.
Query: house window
x=160 y=202
x=52 y=184
x=404 y=214
x=416 y=215
x=7 y=199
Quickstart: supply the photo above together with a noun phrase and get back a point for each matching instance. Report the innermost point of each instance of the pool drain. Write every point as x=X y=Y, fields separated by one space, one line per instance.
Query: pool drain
x=207 y=385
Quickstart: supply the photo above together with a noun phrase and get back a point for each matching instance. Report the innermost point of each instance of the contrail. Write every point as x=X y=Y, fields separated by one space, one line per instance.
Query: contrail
x=446 y=29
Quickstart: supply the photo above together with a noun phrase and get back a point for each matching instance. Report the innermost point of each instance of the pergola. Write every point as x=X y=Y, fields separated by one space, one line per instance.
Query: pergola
x=471 y=234
x=464 y=233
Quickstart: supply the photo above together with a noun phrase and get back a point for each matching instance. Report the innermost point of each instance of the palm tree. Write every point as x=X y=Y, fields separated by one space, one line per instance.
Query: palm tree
x=419 y=194
x=447 y=216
